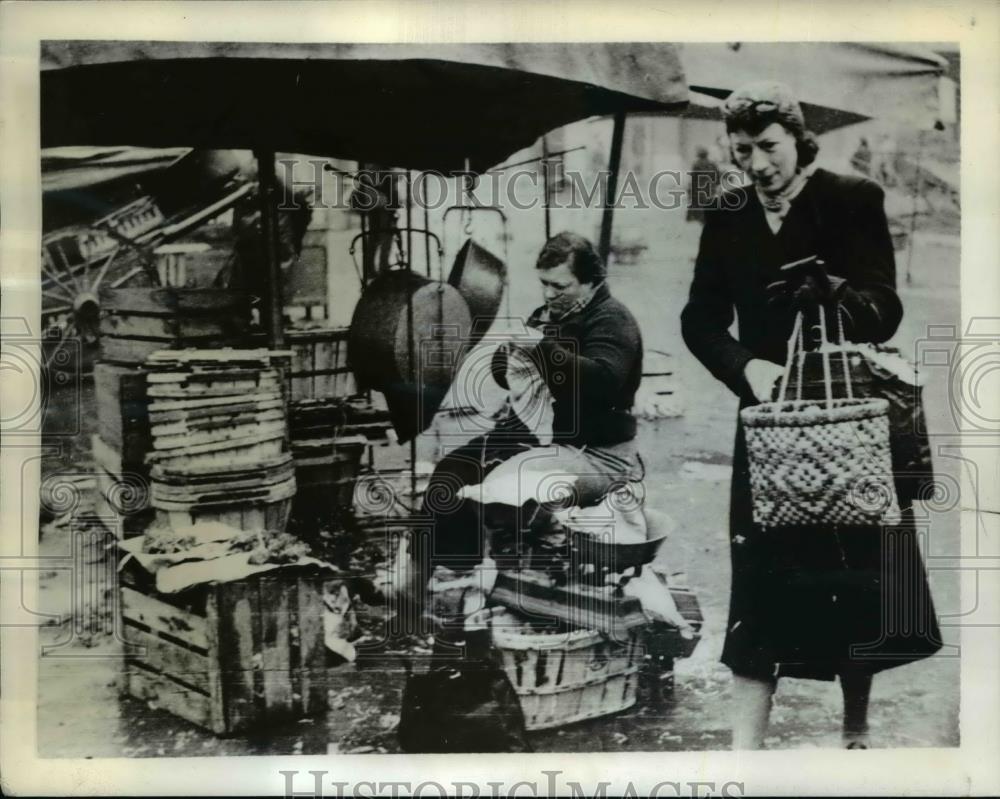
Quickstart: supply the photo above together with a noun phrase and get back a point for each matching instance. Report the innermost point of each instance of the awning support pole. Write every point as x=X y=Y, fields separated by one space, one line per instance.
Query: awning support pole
x=414 y=375
x=273 y=316
x=614 y=164
x=917 y=191
x=545 y=188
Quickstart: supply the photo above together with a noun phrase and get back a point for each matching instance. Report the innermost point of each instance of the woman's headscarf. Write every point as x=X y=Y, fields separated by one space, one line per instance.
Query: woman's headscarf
x=755 y=106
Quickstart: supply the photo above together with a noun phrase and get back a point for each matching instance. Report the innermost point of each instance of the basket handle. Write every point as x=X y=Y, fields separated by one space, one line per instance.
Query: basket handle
x=825 y=346
x=795 y=346
x=824 y=350
x=796 y=353
x=843 y=351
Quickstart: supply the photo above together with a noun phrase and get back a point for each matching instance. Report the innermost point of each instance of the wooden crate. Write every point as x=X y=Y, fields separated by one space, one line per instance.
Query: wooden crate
x=159 y=301
x=305 y=281
x=325 y=483
x=123 y=410
x=562 y=677
x=122 y=489
x=271 y=516
x=319 y=364
x=229 y=657
x=136 y=351
x=139 y=321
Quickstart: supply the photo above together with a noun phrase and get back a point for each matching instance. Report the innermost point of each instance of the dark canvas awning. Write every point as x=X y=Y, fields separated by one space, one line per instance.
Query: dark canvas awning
x=426 y=106
x=707 y=104
x=884 y=81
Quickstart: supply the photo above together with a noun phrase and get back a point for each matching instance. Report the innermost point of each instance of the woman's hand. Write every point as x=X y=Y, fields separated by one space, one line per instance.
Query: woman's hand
x=762 y=375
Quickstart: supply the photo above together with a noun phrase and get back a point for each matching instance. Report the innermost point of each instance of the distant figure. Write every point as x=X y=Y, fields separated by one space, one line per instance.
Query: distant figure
x=703 y=185
x=862 y=158
x=884 y=166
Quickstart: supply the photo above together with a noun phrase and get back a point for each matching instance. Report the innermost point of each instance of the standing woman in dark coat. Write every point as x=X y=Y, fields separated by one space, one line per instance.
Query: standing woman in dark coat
x=805 y=602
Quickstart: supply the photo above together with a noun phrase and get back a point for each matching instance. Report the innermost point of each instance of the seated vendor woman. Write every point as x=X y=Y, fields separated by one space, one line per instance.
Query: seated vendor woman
x=586 y=351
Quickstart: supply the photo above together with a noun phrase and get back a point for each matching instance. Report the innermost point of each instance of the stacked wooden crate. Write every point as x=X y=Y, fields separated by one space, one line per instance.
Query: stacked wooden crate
x=119 y=448
x=121 y=502
x=219 y=438
x=136 y=322
x=227 y=656
x=328 y=439
x=319 y=367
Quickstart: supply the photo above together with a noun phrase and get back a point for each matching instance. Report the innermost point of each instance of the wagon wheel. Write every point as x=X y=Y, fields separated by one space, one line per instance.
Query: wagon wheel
x=74 y=294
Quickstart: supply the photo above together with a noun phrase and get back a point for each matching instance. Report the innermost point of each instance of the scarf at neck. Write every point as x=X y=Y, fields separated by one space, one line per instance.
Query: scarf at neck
x=776 y=206
x=546 y=316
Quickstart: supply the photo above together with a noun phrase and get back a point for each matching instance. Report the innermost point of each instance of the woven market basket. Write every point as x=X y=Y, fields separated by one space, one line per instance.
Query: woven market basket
x=565 y=677
x=813 y=464
x=820 y=462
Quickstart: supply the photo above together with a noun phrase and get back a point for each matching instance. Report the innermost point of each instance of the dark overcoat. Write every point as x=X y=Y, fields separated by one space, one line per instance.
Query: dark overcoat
x=806 y=602
x=591 y=361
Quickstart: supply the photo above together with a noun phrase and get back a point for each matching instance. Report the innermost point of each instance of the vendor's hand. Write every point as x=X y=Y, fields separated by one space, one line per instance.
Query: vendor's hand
x=805 y=285
x=762 y=375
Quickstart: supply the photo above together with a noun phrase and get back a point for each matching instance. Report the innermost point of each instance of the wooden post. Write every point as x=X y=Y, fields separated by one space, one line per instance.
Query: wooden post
x=614 y=164
x=917 y=190
x=427 y=238
x=545 y=188
x=273 y=318
x=414 y=375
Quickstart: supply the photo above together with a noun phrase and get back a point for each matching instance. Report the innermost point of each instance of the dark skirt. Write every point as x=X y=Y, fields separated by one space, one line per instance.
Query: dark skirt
x=812 y=602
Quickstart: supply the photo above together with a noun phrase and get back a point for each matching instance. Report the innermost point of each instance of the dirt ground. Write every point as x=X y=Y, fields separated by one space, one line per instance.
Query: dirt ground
x=81 y=714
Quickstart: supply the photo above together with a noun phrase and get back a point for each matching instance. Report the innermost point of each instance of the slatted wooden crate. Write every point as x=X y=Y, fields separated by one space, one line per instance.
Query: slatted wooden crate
x=122 y=410
x=139 y=321
x=271 y=515
x=326 y=472
x=255 y=497
x=122 y=495
x=562 y=677
x=319 y=364
x=229 y=657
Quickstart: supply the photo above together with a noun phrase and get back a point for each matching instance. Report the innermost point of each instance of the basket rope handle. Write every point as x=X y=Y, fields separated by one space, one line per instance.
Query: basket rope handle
x=824 y=350
x=796 y=357
x=825 y=347
x=794 y=346
x=802 y=360
x=843 y=351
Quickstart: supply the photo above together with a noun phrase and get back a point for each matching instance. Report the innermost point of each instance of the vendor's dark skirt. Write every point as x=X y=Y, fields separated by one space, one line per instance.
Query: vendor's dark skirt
x=814 y=602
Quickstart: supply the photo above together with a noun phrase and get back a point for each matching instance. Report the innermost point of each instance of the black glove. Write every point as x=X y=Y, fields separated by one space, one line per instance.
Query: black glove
x=805 y=285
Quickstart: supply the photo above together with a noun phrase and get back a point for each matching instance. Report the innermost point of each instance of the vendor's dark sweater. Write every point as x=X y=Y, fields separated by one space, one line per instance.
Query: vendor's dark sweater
x=592 y=363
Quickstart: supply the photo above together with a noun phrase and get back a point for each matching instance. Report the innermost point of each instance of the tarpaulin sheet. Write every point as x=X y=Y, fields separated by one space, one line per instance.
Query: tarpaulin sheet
x=423 y=106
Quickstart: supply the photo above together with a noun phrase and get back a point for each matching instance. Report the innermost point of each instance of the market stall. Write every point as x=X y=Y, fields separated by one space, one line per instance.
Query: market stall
x=192 y=409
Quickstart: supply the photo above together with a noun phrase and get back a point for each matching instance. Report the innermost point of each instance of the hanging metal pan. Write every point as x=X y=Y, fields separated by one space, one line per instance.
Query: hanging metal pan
x=480 y=277
x=379 y=345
